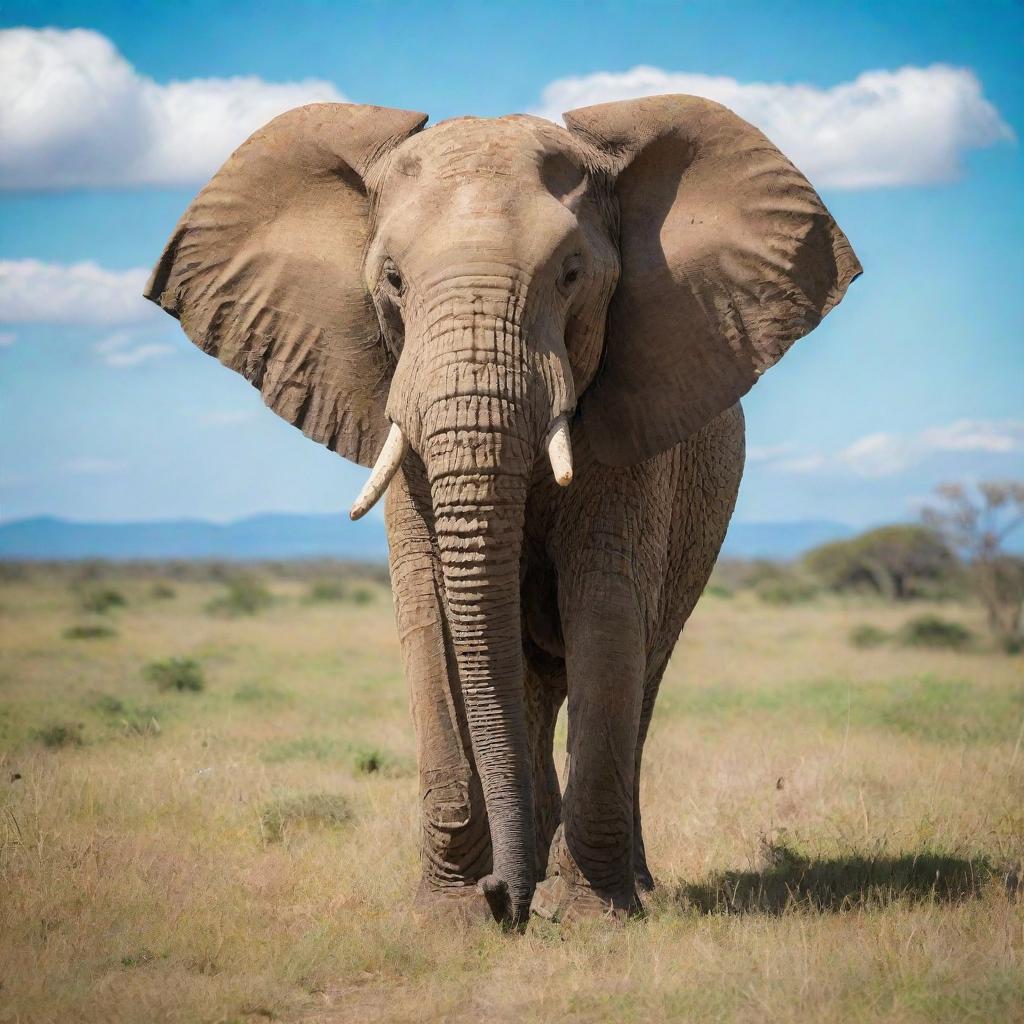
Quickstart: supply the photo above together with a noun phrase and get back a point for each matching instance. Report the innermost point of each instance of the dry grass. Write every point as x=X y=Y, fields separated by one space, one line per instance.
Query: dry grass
x=832 y=827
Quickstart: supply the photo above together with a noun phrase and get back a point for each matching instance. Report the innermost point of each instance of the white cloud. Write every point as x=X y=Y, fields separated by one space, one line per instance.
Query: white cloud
x=885 y=455
x=123 y=349
x=976 y=436
x=87 y=465
x=76 y=113
x=905 y=127
x=76 y=293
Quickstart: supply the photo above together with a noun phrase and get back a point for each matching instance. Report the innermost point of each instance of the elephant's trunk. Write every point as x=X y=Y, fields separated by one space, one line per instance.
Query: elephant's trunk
x=479 y=509
x=477 y=404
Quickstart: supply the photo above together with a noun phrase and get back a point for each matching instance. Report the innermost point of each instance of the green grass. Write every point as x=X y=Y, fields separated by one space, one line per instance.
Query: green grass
x=837 y=832
x=928 y=708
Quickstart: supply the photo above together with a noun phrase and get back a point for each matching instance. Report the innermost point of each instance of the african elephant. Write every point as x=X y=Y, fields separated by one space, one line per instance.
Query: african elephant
x=538 y=336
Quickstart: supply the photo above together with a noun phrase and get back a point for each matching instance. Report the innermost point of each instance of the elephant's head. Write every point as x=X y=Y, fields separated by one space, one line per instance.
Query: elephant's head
x=464 y=291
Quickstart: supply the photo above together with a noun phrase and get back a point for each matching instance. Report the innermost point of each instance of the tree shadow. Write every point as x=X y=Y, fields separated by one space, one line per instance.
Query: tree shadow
x=842 y=884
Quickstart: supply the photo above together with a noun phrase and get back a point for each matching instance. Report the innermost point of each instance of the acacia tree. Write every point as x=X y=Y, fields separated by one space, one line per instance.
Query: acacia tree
x=900 y=562
x=976 y=522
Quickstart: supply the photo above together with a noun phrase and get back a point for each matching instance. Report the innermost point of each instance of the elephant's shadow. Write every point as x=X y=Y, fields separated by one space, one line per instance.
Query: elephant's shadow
x=790 y=881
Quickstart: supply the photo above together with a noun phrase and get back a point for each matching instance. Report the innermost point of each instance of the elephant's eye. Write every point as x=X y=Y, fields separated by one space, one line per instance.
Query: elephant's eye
x=571 y=273
x=393 y=277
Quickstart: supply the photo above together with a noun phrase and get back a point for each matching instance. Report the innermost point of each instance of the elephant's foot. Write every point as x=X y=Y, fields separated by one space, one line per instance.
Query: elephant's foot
x=567 y=896
x=559 y=900
x=463 y=904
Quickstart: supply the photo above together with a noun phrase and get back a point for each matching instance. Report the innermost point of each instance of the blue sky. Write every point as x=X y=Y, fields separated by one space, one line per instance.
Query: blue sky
x=906 y=116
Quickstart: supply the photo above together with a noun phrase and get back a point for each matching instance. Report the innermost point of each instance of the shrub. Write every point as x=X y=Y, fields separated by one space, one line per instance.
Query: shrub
x=717 y=590
x=109 y=705
x=161 y=591
x=89 y=631
x=100 y=600
x=935 y=631
x=246 y=595
x=324 y=810
x=181 y=674
x=362 y=595
x=327 y=590
x=369 y=760
x=898 y=562
x=781 y=585
x=60 y=734
x=868 y=636
x=132 y=721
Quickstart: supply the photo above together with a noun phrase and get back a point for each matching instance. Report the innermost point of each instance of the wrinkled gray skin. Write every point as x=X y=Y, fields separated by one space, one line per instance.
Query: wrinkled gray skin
x=492 y=254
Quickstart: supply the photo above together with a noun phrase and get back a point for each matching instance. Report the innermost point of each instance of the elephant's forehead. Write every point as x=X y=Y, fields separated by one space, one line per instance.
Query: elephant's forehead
x=480 y=151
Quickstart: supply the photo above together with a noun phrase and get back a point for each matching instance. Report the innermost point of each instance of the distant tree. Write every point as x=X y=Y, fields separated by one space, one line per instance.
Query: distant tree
x=899 y=562
x=976 y=522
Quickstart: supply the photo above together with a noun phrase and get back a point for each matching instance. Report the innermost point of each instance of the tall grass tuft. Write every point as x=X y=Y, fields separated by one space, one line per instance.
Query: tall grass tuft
x=311 y=810
x=182 y=674
x=245 y=595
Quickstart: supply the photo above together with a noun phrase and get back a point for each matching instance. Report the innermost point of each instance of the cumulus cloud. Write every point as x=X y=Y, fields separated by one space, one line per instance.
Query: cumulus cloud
x=78 y=293
x=905 y=127
x=886 y=454
x=125 y=349
x=76 y=113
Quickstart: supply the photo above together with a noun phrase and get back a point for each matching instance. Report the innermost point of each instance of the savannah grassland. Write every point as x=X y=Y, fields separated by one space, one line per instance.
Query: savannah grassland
x=837 y=831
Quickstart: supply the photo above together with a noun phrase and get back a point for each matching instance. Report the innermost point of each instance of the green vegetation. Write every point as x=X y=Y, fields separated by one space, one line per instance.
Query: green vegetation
x=182 y=674
x=935 y=631
x=89 y=631
x=896 y=562
x=837 y=833
x=100 y=600
x=245 y=595
x=868 y=636
x=311 y=810
x=59 y=734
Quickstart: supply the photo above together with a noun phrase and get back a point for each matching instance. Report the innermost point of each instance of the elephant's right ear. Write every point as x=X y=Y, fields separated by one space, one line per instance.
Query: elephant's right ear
x=264 y=270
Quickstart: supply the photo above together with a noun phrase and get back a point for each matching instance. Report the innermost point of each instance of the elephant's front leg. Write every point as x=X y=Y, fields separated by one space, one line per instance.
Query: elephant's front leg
x=605 y=662
x=455 y=839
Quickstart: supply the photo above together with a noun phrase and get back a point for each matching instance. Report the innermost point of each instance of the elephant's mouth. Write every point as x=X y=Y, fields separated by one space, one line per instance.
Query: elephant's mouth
x=396 y=447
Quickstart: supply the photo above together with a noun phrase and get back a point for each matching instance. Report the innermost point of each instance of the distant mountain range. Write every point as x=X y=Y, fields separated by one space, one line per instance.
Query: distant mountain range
x=308 y=536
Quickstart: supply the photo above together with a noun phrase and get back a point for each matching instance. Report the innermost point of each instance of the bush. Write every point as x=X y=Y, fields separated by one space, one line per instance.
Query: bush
x=868 y=636
x=100 y=600
x=161 y=591
x=937 y=632
x=89 y=631
x=361 y=595
x=324 y=810
x=181 y=674
x=786 y=591
x=132 y=721
x=323 y=591
x=898 y=562
x=246 y=595
x=59 y=734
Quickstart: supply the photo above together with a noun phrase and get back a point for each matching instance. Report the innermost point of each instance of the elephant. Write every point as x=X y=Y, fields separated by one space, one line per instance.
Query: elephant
x=538 y=337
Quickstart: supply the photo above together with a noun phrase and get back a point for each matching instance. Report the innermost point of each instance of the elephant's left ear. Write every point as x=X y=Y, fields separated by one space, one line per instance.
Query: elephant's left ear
x=728 y=257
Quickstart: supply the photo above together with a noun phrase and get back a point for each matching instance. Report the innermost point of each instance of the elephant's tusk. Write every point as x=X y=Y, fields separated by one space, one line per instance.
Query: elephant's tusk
x=560 y=451
x=390 y=458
